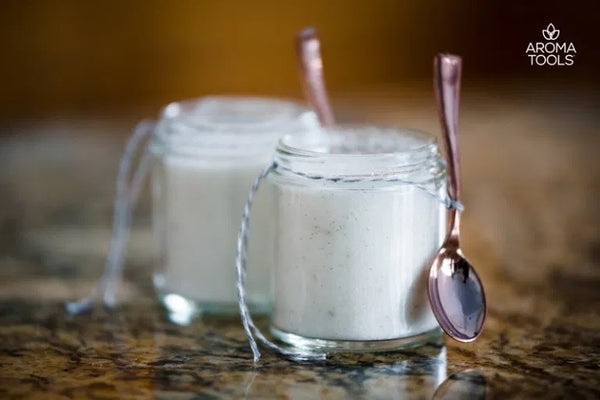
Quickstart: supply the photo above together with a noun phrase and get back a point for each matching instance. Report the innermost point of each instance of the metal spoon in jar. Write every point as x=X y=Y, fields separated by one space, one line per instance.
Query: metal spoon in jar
x=308 y=50
x=455 y=291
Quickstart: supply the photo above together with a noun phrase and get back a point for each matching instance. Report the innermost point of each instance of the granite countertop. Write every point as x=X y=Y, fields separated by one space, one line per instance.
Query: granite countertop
x=531 y=183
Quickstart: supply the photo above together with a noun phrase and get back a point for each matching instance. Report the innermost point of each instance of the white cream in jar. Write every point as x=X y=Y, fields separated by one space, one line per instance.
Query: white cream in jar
x=359 y=216
x=208 y=153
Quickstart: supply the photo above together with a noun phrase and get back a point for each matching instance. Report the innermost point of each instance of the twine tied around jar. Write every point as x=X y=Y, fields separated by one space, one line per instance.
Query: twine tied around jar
x=242 y=246
x=128 y=188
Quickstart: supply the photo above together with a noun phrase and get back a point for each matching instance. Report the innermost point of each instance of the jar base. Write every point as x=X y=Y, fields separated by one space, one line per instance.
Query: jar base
x=182 y=310
x=330 y=346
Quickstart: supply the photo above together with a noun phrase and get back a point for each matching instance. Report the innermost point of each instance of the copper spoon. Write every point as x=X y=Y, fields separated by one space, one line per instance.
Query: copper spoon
x=455 y=291
x=308 y=49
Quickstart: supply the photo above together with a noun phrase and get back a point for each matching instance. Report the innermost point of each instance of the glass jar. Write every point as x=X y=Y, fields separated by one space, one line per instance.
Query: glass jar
x=359 y=217
x=207 y=154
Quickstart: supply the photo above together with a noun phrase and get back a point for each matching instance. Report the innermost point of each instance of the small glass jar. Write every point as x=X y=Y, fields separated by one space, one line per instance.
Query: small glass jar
x=207 y=154
x=359 y=217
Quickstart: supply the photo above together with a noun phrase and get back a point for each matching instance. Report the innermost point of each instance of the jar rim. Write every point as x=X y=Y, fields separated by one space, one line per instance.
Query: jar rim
x=361 y=150
x=230 y=123
x=421 y=141
x=235 y=110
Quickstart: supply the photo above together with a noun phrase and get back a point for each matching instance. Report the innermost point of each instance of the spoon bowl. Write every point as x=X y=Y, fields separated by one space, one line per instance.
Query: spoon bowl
x=456 y=295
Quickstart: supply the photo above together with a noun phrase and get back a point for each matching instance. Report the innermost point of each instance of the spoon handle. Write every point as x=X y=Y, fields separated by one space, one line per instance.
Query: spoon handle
x=447 y=71
x=308 y=49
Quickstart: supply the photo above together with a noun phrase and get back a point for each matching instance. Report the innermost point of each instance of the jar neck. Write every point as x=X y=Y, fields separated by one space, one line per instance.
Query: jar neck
x=227 y=126
x=356 y=152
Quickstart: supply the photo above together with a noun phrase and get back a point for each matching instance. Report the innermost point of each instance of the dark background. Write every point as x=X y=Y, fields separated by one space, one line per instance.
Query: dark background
x=73 y=56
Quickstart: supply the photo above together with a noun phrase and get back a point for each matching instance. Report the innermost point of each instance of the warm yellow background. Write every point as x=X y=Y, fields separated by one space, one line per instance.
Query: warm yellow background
x=74 y=55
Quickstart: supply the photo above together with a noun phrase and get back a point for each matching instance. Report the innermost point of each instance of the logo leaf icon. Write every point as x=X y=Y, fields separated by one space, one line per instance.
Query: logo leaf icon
x=550 y=33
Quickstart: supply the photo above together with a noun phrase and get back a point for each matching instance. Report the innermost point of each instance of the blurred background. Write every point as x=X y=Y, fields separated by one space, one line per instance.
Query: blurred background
x=76 y=76
x=75 y=56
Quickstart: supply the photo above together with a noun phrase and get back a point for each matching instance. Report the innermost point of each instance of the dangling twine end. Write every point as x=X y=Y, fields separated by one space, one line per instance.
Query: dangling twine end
x=85 y=305
x=79 y=307
x=240 y=266
x=125 y=199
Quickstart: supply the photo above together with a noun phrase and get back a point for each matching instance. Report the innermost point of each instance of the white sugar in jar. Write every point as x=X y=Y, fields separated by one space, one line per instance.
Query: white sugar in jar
x=359 y=217
x=208 y=152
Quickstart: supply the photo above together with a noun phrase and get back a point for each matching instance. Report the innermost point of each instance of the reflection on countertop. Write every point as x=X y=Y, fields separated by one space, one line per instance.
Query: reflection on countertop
x=135 y=352
x=531 y=181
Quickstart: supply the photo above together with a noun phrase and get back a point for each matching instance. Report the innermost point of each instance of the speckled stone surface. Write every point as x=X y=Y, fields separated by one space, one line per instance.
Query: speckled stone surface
x=531 y=183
